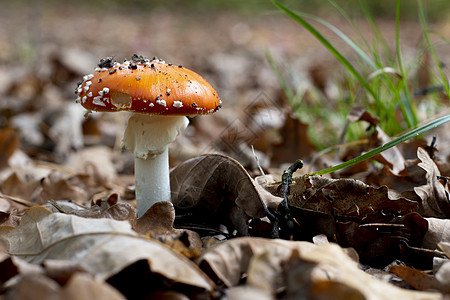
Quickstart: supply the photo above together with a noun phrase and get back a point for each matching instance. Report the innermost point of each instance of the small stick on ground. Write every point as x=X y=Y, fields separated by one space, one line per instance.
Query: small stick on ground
x=282 y=219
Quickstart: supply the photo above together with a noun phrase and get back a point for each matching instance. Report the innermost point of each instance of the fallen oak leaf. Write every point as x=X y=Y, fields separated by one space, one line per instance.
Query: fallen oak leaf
x=438 y=232
x=351 y=198
x=435 y=199
x=101 y=247
x=285 y=264
x=228 y=261
x=157 y=223
x=84 y=286
x=17 y=187
x=120 y=211
x=418 y=279
x=211 y=187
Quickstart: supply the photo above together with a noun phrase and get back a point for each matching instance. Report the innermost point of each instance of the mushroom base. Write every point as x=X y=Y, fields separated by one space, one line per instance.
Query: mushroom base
x=151 y=186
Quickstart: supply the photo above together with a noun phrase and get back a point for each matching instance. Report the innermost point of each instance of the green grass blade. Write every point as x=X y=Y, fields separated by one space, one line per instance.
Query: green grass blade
x=405 y=97
x=344 y=37
x=328 y=45
x=424 y=24
x=386 y=146
x=281 y=79
x=379 y=39
x=354 y=26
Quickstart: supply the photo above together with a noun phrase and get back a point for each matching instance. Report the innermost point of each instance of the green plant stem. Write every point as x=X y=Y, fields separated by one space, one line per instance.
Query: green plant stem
x=329 y=46
x=405 y=97
x=386 y=146
x=424 y=24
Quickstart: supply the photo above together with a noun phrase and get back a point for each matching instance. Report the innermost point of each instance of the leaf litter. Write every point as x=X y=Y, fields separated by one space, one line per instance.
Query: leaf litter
x=68 y=226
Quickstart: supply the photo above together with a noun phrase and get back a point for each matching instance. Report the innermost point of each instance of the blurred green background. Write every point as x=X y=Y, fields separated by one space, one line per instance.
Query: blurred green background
x=436 y=9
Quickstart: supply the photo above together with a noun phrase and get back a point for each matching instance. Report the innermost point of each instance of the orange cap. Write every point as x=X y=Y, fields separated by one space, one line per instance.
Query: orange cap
x=147 y=86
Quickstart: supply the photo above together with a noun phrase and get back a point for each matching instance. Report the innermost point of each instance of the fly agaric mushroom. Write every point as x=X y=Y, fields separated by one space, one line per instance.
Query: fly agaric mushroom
x=159 y=96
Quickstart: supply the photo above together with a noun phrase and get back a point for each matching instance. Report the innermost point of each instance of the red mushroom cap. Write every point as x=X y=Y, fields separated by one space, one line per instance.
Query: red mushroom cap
x=147 y=86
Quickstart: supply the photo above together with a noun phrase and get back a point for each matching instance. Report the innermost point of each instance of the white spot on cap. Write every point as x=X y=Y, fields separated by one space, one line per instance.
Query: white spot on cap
x=84 y=99
x=105 y=90
x=177 y=104
x=86 y=86
x=151 y=104
x=90 y=94
x=161 y=102
x=98 y=101
x=78 y=100
x=88 y=77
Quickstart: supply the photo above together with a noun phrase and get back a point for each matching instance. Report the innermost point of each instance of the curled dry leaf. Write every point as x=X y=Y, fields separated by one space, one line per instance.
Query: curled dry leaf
x=419 y=279
x=17 y=187
x=101 y=247
x=84 y=286
x=391 y=157
x=157 y=223
x=438 y=232
x=301 y=269
x=121 y=211
x=435 y=199
x=351 y=198
x=212 y=186
x=294 y=142
x=95 y=162
x=56 y=187
x=34 y=286
x=80 y=286
x=230 y=260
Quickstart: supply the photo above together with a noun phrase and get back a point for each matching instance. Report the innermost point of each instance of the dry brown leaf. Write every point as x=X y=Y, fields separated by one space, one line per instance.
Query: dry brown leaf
x=57 y=187
x=295 y=142
x=121 y=211
x=359 y=113
x=84 y=286
x=15 y=186
x=35 y=286
x=391 y=157
x=299 y=269
x=247 y=292
x=158 y=220
x=13 y=266
x=157 y=223
x=418 y=279
x=438 y=232
x=230 y=260
x=9 y=142
x=95 y=162
x=435 y=199
x=167 y=295
x=60 y=270
x=207 y=183
x=102 y=247
x=352 y=198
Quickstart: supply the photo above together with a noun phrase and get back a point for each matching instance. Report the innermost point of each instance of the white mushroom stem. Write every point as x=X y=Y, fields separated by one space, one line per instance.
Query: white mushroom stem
x=148 y=136
x=152 y=181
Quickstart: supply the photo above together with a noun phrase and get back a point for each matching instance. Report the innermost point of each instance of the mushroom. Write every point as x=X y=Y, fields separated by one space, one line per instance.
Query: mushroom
x=159 y=96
